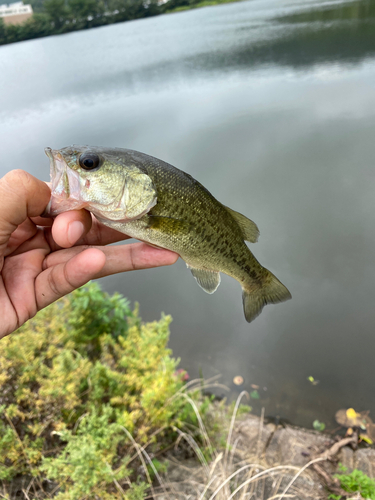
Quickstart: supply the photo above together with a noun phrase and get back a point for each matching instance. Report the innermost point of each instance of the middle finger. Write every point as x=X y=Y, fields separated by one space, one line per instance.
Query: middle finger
x=119 y=258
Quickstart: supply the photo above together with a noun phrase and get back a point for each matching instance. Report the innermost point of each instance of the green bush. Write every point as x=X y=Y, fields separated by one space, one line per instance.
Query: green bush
x=79 y=383
x=355 y=482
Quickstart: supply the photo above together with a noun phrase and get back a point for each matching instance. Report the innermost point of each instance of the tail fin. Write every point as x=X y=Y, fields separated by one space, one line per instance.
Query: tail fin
x=271 y=292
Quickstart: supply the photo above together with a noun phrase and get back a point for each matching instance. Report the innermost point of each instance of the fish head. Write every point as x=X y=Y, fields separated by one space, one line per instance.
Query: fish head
x=99 y=180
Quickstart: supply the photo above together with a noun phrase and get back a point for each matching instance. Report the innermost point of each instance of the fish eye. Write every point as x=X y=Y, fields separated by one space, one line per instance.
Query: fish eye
x=89 y=161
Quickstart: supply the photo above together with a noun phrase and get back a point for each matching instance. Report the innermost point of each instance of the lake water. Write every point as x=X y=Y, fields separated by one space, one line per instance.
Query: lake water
x=271 y=105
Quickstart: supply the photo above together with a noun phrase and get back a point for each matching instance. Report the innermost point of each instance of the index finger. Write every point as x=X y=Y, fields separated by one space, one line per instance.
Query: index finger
x=21 y=195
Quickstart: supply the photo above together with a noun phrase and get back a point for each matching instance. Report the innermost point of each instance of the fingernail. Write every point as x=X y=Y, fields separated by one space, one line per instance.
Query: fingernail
x=75 y=231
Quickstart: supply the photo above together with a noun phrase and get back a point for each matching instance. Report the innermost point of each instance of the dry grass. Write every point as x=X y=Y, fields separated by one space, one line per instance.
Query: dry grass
x=219 y=474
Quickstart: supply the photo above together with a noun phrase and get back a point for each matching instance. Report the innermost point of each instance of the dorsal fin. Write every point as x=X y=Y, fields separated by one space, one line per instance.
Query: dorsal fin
x=249 y=229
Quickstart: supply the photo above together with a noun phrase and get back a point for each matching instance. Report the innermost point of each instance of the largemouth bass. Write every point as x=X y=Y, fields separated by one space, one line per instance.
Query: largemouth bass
x=159 y=204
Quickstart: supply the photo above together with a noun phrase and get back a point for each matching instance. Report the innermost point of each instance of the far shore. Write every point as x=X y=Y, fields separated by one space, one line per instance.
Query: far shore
x=56 y=18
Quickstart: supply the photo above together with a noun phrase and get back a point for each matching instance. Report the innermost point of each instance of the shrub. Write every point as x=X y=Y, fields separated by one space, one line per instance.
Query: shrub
x=80 y=382
x=356 y=481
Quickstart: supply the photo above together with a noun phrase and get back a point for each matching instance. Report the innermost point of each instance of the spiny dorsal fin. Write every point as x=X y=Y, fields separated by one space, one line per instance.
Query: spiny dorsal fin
x=208 y=280
x=249 y=229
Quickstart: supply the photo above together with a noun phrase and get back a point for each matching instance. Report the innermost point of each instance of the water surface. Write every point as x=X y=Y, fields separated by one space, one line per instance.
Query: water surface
x=271 y=105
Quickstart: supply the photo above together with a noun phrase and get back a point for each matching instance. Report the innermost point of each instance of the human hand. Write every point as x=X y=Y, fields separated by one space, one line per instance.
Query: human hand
x=42 y=259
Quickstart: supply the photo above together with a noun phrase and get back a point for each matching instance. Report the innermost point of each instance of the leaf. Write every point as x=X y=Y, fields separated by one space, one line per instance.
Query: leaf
x=312 y=380
x=319 y=426
x=366 y=439
x=254 y=395
x=351 y=418
x=351 y=414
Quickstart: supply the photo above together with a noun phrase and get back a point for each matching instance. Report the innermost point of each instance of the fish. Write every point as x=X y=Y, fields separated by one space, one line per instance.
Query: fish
x=155 y=202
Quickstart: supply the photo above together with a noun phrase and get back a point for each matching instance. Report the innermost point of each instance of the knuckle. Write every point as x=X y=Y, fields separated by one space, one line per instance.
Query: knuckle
x=54 y=284
x=69 y=285
x=96 y=232
x=17 y=183
x=18 y=177
x=131 y=258
x=46 y=262
x=99 y=231
x=85 y=246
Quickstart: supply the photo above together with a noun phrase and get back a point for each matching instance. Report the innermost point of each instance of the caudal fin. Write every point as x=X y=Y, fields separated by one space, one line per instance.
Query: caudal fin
x=272 y=292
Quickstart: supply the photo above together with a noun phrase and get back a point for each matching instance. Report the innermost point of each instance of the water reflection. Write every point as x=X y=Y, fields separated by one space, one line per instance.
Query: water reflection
x=319 y=33
x=241 y=39
x=342 y=32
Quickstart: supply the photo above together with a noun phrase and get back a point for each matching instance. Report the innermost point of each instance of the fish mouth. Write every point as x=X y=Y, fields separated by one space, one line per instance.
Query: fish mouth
x=65 y=186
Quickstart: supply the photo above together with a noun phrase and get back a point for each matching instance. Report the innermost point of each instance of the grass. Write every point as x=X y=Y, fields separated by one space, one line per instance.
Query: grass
x=222 y=476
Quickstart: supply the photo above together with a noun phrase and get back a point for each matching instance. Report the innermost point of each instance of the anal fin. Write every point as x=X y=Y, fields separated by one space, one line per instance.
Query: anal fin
x=208 y=280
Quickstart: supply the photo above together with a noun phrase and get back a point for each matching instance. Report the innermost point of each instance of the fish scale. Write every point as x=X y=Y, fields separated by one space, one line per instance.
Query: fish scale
x=153 y=201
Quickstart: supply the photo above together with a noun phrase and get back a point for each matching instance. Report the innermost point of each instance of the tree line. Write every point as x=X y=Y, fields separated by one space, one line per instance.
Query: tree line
x=53 y=17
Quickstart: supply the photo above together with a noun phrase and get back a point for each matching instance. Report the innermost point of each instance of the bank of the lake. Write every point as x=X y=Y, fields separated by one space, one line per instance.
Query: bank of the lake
x=271 y=461
x=55 y=17
x=92 y=403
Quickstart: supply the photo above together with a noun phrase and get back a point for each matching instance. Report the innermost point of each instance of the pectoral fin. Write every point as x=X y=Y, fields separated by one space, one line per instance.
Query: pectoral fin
x=249 y=229
x=208 y=280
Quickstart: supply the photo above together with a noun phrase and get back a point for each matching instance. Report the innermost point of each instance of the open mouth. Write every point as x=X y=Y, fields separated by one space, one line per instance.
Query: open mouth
x=65 y=186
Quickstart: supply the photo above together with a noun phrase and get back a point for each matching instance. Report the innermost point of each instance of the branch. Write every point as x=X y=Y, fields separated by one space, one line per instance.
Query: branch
x=333 y=484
